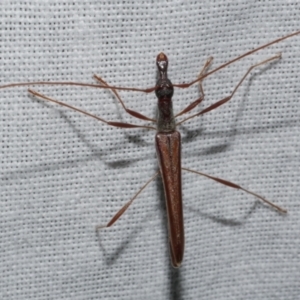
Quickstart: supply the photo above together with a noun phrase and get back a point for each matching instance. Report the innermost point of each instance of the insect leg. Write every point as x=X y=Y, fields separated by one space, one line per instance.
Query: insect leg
x=203 y=71
x=198 y=101
x=226 y=99
x=116 y=124
x=124 y=208
x=129 y=111
x=233 y=185
x=186 y=85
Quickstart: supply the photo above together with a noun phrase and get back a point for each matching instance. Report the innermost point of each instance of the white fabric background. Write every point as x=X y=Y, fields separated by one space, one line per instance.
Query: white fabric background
x=63 y=173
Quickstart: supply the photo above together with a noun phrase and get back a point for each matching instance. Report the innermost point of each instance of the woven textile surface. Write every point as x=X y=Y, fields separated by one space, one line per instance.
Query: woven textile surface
x=63 y=173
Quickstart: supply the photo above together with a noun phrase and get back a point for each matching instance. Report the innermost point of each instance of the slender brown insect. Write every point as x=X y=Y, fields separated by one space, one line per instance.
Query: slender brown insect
x=167 y=139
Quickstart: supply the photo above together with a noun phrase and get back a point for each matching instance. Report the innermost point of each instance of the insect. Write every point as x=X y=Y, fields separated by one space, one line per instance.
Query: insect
x=167 y=138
